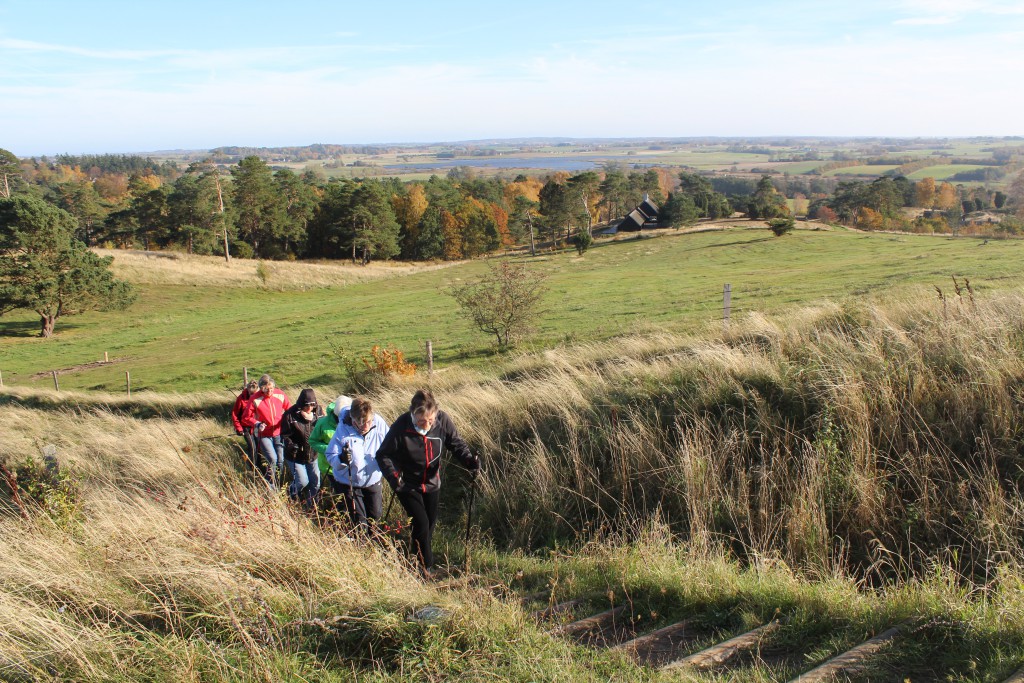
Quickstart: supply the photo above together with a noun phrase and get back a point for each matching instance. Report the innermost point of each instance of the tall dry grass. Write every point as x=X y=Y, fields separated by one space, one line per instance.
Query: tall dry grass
x=173 y=568
x=883 y=438
x=173 y=268
x=882 y=441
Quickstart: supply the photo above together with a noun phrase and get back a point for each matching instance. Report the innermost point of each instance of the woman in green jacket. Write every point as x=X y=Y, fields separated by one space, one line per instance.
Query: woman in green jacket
x=323 y=430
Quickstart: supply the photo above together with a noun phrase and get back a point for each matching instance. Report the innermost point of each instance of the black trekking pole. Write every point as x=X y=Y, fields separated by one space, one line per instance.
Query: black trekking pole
x=351 y=506
x=469 y=517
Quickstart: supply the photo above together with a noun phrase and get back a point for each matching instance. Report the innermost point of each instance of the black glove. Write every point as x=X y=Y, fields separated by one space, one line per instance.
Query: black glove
x=238 y=432
x=346 y=454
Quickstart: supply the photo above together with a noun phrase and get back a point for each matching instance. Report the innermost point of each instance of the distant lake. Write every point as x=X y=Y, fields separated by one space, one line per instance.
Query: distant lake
x=557 y=163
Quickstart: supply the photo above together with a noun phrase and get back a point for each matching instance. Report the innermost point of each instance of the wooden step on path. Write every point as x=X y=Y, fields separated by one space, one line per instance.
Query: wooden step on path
x=553 y=611
x=669 y=648
x=1016 y=677
x=719 y=654
x=539 y=596
x=852 y=661
x=660 y=647
x=604 y=629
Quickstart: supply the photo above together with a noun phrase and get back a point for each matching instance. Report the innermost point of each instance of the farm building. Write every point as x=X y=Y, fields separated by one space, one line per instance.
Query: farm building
x=644 y=215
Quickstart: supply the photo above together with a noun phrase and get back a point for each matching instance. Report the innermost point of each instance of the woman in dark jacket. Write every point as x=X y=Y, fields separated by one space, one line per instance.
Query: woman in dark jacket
x=299 y=455
x=410 y=460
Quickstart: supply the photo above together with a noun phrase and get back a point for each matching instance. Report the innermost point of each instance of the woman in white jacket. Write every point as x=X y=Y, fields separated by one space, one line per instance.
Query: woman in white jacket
x=350 y=454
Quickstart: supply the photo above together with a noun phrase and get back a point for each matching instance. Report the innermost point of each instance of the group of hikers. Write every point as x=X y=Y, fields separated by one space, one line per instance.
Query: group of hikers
x=349 y=448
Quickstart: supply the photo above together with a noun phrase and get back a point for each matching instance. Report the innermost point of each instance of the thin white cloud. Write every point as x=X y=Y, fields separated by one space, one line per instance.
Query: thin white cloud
x=939 y=12
x=33 y=46
x=927 y=21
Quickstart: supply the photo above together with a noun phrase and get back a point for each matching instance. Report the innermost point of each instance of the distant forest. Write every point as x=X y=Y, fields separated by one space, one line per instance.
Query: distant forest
x=257 y=210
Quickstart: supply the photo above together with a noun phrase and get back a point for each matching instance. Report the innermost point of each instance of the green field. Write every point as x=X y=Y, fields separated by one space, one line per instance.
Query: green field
x=540 y=159
x=875 y=170
x=797 y=166
x=943 y=171
x=182 y=338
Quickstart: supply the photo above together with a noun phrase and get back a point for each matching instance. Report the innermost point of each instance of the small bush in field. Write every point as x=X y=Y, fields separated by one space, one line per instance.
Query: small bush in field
x=39 y=487
x=367 y=374
x=502 y=303
x=780 y=226
x=582 y=239
x=262 y=272
x=388 y=361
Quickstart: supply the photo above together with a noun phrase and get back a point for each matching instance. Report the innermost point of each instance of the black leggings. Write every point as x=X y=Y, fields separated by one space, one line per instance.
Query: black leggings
x=364 y=504
x=422 y=507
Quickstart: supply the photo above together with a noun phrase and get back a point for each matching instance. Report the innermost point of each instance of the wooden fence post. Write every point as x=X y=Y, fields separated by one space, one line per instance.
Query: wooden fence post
x=726 y=304
x=106 y=359
x=56 y=386
x=128 y=383
x=1 y=380
x=430 y=358
x=245 y=377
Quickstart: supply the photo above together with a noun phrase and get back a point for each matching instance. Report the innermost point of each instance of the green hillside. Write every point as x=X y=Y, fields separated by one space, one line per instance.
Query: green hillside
x=183 y=338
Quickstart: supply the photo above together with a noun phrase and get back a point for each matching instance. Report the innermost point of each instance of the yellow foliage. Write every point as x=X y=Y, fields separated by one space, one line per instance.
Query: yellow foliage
x=501 y=218
x=529 y=188
x=410 y=207
x=946 y=197
x=149 y=182
x=389 y=361
x=925 y=192
x=451 y=231
x=112 y=186
x=869 y=219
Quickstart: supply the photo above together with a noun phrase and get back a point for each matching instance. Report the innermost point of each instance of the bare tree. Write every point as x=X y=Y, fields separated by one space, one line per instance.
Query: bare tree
x=503 y=302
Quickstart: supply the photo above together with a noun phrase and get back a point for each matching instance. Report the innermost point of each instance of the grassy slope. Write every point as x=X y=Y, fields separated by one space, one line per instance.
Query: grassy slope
x=180 y=338
x=171 y=569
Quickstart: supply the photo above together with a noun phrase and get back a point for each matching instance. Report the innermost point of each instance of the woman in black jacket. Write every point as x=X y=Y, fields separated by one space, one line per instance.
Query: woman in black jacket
x=299 y=455
x=410 y=460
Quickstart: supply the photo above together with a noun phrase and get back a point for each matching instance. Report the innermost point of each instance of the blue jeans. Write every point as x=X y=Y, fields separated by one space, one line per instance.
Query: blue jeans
x=305 y=481
x=272 y=448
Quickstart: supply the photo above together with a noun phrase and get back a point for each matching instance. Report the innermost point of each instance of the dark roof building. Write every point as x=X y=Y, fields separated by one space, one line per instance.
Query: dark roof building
x=645 y=214
x=633 y=221
x=649 y=208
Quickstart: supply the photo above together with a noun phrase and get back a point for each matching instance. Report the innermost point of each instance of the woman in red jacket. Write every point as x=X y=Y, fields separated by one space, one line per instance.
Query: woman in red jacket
x=237 y=414
x=264 y=413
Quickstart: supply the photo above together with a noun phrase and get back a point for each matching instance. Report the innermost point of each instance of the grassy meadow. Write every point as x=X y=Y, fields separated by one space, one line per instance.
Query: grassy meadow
x=198 y=321
x=866 y=170
x=845 y=455
x=846 y=467
x=942 y=171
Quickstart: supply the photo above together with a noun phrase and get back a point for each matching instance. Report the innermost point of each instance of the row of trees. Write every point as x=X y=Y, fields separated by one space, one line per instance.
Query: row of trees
x=250 y=209
x=880 y=204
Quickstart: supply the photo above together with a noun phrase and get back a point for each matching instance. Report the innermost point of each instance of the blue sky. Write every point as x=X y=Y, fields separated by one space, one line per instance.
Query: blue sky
x=113 y=76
